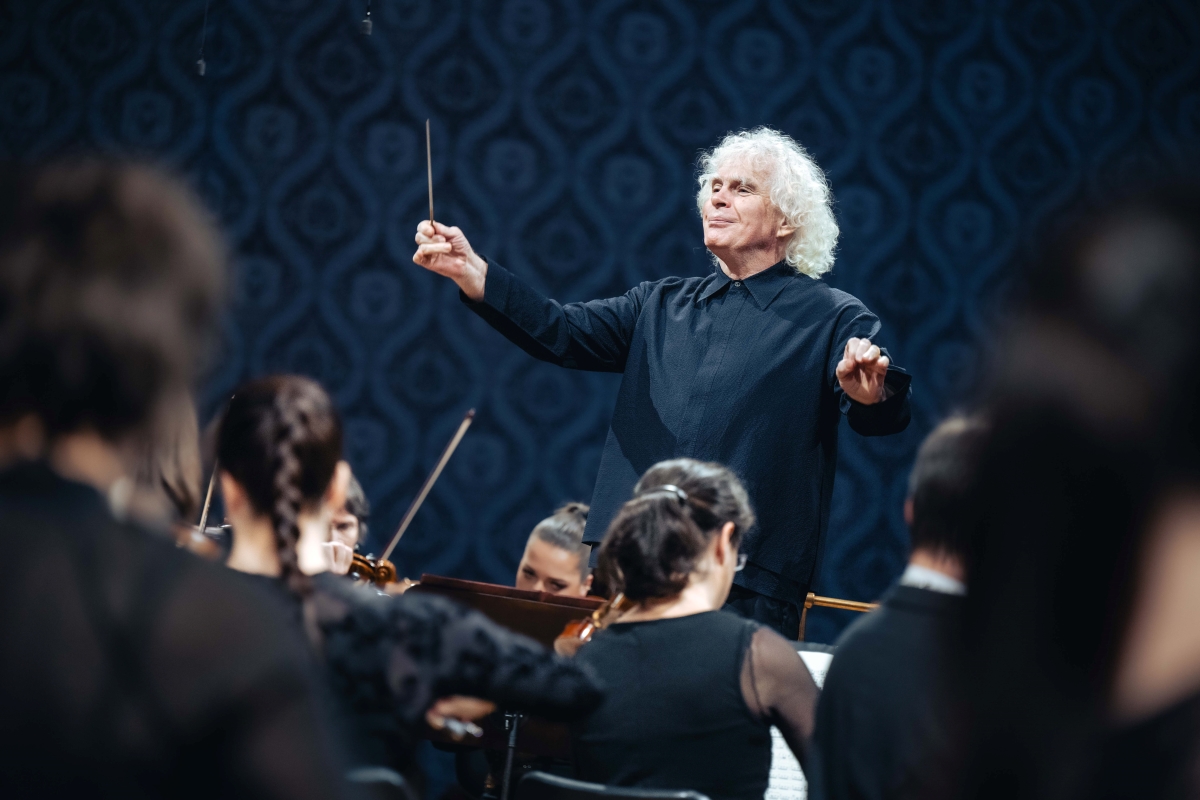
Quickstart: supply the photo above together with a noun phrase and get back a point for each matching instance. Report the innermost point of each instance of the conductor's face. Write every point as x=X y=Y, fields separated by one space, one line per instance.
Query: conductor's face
x=739 y=218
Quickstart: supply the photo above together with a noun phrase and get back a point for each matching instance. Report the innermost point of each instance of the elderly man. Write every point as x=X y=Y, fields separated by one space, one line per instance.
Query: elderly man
x=751 y=365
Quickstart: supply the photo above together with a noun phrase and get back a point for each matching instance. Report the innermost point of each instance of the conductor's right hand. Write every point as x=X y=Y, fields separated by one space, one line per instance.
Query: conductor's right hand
x=446 y=251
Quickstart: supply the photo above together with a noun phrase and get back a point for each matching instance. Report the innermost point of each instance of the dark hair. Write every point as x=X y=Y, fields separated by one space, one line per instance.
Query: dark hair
x=167 y=463
x=564 y=530
x=939 y=486
x=110 y=281
x=358 y=506
x=281 y=440
x=652 y=546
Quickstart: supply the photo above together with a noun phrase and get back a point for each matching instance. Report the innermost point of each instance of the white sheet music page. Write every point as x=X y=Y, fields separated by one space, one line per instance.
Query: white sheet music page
x=786 y=781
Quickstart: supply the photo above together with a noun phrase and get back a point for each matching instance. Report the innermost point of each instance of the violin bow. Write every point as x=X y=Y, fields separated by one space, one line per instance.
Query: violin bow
x=468 y=418
x=212 y=481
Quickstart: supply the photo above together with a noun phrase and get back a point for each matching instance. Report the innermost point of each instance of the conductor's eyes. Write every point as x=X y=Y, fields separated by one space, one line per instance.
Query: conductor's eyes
x=555 y=586
x=528 y=573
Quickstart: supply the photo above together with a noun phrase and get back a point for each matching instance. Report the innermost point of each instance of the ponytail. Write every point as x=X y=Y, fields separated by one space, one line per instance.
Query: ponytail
x=653 y=545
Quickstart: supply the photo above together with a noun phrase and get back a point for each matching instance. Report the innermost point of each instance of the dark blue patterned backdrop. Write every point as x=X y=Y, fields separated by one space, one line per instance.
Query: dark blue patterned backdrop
x=564 y=134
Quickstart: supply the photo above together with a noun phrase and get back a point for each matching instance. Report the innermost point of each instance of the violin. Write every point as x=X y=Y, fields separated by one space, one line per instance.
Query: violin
x=380 y=571
x=370 y=569
x=579 y=632
x=200 y=543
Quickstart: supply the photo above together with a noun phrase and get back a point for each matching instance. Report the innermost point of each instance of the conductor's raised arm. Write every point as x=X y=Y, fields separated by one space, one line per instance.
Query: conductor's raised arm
x=445 y=250
x=594 y=335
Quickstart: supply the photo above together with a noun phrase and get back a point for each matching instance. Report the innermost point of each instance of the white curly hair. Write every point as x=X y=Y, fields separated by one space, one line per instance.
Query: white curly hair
x=796 y=186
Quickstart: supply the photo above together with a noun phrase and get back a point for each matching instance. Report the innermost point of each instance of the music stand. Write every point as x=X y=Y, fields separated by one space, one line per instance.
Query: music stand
x=539 y=615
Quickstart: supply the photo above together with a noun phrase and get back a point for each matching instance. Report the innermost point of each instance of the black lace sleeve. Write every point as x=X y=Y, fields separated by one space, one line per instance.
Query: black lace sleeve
x=403 y=653
x=778 y=688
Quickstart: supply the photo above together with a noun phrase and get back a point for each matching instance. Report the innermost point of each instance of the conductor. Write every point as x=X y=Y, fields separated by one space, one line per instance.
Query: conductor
x=751 y=366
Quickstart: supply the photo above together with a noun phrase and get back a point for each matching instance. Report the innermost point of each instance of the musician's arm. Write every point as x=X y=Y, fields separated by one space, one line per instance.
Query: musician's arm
x=778 y=688
x=595 y=335
x=444 y=649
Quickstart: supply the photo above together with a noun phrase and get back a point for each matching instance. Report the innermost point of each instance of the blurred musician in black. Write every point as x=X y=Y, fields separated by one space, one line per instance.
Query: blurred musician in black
x=555 y=558
x=692 y=690
x=389 y=660
x=127 y=666
x=883 y=721
x=1080 y=636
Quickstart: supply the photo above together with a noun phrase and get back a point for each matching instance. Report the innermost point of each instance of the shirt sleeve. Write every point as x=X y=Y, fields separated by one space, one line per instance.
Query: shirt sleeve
x=595 y=335
x=778 y=688
x=431 y=648
x=889 y=416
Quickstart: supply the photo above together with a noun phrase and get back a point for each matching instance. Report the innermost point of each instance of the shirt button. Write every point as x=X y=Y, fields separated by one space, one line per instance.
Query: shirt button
x=737 y=283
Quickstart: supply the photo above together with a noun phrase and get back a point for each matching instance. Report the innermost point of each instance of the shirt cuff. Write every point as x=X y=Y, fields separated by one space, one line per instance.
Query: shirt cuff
x=496 y=287
x=886 y=416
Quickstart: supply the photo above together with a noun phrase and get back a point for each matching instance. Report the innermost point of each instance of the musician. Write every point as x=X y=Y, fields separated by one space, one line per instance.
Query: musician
x=883 y=723
x=388 y=659
x=128 y=667
x=347 y=527
x=555 y=558
x=693 y=690
x=751 y=365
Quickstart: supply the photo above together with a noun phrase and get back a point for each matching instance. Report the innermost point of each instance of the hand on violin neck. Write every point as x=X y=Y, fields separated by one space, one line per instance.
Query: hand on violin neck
x=445 y=250
x=339 y=556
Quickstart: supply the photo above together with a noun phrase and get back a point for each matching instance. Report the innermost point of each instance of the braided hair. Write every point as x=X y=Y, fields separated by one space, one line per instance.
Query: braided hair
x=652 y=547
x=281 y=440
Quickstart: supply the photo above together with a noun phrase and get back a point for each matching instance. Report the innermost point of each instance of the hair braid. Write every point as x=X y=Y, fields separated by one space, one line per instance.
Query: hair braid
x=281 y=440
x=285 y=511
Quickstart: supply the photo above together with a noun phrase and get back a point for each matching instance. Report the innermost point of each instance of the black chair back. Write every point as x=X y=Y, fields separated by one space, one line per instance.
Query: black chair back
x=543 y=786
x=380 y=783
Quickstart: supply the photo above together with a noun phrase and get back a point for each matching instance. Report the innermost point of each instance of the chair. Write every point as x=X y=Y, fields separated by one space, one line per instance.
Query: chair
x=544 y=786
x=381 y=783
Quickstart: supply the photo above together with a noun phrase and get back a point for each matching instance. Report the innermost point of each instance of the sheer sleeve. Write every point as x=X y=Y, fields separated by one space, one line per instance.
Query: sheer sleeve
x=403 y=653
x=778 y=688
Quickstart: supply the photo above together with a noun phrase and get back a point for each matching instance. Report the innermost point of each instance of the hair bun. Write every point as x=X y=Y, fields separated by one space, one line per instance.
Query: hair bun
x=576 y=509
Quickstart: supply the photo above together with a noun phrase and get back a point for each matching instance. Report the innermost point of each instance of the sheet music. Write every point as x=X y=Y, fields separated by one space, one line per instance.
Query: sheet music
x=786 y=781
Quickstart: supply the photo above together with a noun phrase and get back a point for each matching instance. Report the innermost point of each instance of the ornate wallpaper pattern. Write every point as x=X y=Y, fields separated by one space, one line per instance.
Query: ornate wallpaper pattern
x=564 y=140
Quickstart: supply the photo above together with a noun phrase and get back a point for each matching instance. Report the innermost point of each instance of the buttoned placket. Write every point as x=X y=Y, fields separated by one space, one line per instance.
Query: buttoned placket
x=726 y=308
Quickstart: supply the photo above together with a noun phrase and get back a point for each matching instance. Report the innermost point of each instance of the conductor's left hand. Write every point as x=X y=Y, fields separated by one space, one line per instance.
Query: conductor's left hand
x=862 y=370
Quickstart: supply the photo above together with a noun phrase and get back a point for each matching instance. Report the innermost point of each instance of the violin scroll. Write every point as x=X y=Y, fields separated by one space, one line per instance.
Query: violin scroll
x=378 y=571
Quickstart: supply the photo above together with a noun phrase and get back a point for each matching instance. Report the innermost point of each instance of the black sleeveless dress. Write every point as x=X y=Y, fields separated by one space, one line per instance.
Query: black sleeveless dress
x=689 y=706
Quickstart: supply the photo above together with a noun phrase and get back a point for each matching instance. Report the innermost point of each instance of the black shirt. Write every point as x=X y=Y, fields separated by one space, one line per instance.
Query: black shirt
x=131 y=668
x=690 y=705
x=1156 y=758
x=738 y=372
x=389 y=658
x=883 y=726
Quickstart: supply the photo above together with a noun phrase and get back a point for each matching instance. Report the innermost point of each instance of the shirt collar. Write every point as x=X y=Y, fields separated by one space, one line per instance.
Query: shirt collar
x=763 y=286
x=925 y=578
